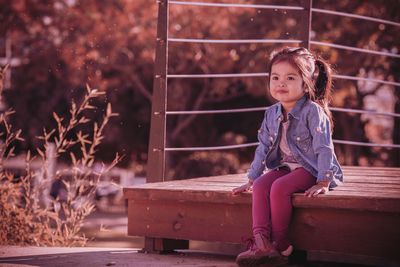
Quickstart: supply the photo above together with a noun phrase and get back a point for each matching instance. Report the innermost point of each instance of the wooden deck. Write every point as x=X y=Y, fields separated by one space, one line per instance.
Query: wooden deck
x=358 y=221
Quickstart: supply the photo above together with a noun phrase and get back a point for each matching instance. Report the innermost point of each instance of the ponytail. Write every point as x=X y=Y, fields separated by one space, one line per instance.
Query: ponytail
x=323 y=86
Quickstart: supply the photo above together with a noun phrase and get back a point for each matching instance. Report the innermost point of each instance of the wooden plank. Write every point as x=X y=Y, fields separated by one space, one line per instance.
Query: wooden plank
x=194 y=184
x=199 y=185
x=366 y=202
x=370 y=176
x=209 y=182
x=374 y=172
x=369 y=185
x=231 y=182
x=368 y=189
x=363 y=194
x=360 y=233
x=207 y=192
x=369 y=171
x=193 y=196
x=363 y=168
x=228 y=188
x=189 y=220
x=387 y=202
x=384 y=180
x=238 y=179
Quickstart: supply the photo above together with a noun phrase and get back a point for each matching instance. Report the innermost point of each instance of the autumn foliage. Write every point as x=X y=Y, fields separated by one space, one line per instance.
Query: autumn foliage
x=110 y=44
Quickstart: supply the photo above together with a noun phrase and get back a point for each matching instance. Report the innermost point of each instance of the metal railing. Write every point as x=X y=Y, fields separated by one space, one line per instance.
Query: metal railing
x=157 y=148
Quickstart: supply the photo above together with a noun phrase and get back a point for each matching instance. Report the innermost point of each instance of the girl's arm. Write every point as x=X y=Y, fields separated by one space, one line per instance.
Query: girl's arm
x=321 y=132
x=258 y=164
x=322 y=144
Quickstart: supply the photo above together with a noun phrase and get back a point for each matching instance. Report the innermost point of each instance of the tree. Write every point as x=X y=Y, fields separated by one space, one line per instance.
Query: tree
x=111 y=44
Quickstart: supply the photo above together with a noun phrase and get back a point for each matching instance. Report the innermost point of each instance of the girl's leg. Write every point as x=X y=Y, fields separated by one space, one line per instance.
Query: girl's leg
x=281 y=203
x=261 y=202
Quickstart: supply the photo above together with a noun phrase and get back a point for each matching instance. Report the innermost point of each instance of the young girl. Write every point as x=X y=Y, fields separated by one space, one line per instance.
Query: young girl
x=295 y=146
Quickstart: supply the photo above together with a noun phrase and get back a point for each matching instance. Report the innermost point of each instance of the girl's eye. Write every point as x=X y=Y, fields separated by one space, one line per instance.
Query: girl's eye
x=290 y=78
x=275 y=78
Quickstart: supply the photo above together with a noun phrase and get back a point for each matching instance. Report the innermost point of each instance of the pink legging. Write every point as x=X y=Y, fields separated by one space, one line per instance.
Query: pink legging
x=272 y=206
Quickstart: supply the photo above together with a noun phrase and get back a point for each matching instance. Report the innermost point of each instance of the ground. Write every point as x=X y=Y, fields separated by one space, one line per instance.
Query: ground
x=88 y=257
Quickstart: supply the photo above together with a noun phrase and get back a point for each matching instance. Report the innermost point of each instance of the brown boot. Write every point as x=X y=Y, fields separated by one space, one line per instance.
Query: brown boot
x=260 y=251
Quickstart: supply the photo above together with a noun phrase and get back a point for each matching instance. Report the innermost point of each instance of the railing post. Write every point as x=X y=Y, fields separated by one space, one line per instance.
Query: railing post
x=156 y=155
x=305 y=22
x=156 y=152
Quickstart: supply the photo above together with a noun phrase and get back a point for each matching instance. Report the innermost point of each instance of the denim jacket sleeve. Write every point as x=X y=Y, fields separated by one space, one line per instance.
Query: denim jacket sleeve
x=322 y=143
x=258 y=165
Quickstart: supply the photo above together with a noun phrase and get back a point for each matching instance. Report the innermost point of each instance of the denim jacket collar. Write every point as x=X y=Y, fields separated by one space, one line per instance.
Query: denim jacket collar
x=295 y=112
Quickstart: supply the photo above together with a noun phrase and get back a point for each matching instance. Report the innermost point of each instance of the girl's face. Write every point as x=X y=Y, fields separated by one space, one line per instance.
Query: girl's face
x=286 y=84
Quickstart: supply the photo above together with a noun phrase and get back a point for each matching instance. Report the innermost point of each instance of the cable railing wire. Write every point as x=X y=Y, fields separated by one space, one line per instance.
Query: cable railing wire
x=215 y=111
x=265 y=74
x=234 y=41
x=209 y=148
x=346 y=77
x=365 y=144
x=220 y=75
x=274 y=41
x=241 y=110
x=252 y=41
x=362 y=111
x=208 y=4
x=351 y=48
x=344 y=14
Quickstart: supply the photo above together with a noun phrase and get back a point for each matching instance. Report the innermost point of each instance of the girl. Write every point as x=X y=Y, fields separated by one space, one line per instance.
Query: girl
x=295 y=145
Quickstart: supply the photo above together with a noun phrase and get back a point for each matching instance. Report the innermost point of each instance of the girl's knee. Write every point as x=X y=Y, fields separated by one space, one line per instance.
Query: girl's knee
x=261 y=187
x=279 y=189
x=264 y=182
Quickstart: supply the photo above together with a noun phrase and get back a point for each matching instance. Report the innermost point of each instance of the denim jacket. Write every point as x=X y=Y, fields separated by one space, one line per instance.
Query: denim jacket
x=309 y=138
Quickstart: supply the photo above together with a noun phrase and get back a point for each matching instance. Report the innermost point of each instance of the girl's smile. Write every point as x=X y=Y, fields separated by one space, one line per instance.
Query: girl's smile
x=286 y=84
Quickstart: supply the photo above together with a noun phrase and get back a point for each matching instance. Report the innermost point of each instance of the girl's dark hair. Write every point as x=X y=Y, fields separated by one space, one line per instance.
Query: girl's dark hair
x=315 y=72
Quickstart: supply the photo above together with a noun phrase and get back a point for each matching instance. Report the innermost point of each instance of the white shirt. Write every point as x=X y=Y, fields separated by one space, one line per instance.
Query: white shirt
x=287 y=155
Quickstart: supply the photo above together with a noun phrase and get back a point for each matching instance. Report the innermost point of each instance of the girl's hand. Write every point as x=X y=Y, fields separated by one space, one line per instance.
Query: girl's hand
x=242 y=188
x=320 y=188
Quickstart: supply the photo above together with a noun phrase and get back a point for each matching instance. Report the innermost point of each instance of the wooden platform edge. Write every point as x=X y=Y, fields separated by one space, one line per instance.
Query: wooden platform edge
x=363 y=224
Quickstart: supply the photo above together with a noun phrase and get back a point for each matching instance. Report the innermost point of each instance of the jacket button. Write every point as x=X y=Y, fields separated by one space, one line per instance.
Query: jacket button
x=298 y=138
x=271 y=138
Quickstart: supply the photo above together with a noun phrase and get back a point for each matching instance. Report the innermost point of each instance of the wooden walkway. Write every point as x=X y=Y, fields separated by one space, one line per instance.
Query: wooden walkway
x=356 y=222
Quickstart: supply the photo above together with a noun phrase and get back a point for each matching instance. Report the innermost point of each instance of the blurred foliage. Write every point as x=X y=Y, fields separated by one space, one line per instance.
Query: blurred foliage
x=111 y=44
x=29 y=214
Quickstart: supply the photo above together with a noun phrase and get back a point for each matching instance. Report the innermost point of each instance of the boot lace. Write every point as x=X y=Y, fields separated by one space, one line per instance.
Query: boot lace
x=249 y=241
